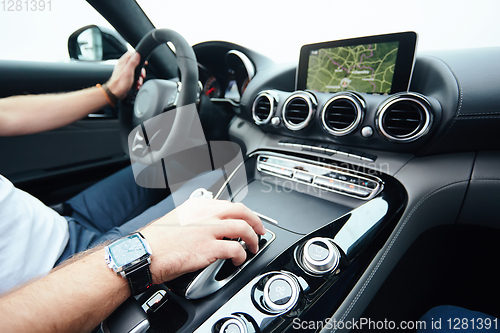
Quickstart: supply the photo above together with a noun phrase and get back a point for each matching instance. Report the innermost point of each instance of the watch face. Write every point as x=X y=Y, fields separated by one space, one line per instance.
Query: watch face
x=126 y=250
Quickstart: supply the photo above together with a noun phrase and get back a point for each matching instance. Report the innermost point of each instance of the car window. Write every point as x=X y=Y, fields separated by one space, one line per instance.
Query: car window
x=39 y=30
x=279 y=28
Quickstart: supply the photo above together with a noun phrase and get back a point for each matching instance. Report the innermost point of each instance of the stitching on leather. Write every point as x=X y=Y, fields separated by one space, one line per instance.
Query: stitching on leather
x=459 y=109
x=389 y=247
x=493 y=179
x=480 y=113
x=401 y=168
x=477 y=117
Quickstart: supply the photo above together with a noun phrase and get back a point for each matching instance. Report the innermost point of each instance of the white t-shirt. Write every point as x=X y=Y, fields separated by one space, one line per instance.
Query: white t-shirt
x=32 y=236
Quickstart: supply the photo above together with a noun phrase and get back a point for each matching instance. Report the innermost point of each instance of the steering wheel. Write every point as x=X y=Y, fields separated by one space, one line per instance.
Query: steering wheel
x=147 y=138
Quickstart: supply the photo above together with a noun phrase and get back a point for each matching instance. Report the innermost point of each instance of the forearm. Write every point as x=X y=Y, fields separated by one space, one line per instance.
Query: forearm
x=77 y=297
x=30 y=114
x=74 y=298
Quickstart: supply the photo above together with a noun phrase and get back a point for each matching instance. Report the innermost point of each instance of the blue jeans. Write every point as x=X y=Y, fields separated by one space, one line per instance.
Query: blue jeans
x=449 y=318
x=117 y=206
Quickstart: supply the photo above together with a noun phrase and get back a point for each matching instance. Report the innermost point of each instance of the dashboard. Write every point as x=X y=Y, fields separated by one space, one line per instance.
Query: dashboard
x=428 y=118
x=345 y=183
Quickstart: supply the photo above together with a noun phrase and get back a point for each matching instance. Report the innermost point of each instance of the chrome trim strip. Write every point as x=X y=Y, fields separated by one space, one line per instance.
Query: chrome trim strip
x=250 y=68
x=142 y=327
x=100 y=115
x=224 y=100
x=264 y=217
x=413 y=64
x=226 y=183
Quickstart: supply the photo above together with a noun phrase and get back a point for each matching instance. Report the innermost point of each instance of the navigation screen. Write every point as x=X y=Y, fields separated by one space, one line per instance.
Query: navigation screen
x=362 y=68
x=376 y=64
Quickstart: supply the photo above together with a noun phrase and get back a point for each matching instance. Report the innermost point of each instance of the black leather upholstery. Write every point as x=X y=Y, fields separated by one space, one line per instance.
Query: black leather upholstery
x=475 y=122
x=139 y=279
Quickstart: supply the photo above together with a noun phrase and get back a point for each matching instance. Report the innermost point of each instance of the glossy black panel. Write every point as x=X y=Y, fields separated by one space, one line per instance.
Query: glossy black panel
x=321 y=294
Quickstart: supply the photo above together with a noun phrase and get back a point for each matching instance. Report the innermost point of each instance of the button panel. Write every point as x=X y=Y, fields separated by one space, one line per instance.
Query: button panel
x=328 y=149
x=320 y=175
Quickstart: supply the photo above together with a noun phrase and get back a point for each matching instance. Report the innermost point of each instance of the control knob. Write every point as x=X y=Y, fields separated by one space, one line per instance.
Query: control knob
x=320 y=255
x=281 y=293
x=234 y=324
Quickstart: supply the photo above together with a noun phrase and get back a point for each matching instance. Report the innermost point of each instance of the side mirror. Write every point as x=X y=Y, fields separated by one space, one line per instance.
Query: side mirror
x=94 y=43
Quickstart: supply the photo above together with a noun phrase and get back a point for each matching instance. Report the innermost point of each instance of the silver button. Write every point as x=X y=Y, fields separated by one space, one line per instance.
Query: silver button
x=354 y=155
x=281 y=293
x=233 y=325
x=305 y=177
x=316 y=148
x=320 y=255
x=367 y=131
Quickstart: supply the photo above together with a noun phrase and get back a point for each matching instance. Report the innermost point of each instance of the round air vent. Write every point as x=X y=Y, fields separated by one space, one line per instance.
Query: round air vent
x=298 y=110
x=263 y=108
x=342 y=114
x=404 y=118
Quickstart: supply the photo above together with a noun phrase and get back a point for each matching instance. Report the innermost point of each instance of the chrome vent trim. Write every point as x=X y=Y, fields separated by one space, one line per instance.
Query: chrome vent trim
x=263 y=107
x=342 y=114
x=298 y=110
x=404 y=117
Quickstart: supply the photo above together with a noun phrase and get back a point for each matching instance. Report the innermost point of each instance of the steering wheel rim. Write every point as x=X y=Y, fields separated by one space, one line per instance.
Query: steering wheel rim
x=134 y=126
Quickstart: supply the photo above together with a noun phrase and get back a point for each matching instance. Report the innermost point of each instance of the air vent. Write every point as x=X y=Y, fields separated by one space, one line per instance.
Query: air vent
x=404 y=118
x=263 y=108
x=298 y=110
x=342 y=114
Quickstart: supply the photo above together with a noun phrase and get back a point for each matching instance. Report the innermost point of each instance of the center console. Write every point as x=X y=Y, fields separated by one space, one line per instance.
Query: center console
x=325 y=221
x=315 y=270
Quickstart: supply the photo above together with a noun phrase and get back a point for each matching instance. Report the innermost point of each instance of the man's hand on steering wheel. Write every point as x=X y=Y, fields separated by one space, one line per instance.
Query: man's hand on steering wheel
x=123 y=75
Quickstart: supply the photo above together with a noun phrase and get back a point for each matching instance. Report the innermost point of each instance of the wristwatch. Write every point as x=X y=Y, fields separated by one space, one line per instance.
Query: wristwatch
x=130 y=257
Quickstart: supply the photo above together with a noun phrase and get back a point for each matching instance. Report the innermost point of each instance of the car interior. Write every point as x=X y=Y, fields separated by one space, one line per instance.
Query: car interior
x=375 y=170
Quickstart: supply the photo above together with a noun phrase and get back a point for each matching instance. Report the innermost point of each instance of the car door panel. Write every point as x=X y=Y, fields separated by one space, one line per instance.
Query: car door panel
x=93 y=142
x=26 y=77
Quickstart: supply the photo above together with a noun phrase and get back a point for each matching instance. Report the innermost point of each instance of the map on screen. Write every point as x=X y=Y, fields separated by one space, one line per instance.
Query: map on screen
x=364 y=68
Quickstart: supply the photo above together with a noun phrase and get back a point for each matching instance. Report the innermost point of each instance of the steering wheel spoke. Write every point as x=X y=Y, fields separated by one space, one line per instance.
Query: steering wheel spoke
x=156 y=96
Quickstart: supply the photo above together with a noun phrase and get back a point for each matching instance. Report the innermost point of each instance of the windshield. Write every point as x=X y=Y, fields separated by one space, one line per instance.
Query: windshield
x=278 y=29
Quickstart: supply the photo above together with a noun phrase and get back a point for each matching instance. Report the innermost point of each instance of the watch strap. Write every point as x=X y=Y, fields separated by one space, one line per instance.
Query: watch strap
x=139 y=278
